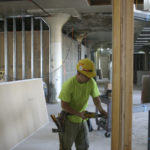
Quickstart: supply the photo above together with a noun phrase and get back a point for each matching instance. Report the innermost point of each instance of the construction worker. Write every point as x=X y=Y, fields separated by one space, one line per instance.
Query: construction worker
x=74 y=100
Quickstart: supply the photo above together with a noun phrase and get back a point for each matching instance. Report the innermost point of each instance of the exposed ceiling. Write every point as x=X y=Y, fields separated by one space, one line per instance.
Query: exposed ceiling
x=93 y=18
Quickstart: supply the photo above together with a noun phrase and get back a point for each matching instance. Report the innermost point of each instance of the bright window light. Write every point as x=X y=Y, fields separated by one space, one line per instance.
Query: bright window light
x=146 y=4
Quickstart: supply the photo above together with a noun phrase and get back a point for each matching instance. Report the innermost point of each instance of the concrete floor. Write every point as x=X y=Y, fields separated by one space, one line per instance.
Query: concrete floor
x=44 y=139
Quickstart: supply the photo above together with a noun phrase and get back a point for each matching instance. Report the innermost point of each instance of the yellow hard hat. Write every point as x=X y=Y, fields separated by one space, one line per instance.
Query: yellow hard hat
x=86 y=67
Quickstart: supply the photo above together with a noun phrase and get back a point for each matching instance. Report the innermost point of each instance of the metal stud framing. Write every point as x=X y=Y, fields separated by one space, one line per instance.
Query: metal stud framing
x=14 y=48
x=23 y=57
x=32 y=48
x=50 y=72
x=41 y=48
x=6 y=49
x=23 y=49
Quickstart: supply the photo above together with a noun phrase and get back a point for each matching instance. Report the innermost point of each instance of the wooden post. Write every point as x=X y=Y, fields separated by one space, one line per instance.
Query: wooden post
x=122 y=74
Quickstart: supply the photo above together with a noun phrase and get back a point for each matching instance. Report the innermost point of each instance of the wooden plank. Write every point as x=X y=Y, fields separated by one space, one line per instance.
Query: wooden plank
x=37 y=54
x=28 y=54
x=122 y=74
x=46 y=57
x=10 y=56
x=116 y=79
x=19 y=55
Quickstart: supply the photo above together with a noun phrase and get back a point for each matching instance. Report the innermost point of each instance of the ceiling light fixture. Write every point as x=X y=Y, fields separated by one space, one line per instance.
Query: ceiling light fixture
x=141 y=41
x=147 y=44
x=146 y=28
x=145 y=38
x=144 y=34
x=102 y=49
x=138 y=44
x=141 y=52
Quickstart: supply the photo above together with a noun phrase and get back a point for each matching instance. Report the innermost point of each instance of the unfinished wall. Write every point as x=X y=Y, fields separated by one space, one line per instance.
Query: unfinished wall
x=27 y=55
x=70 y=56
x=105 y=60
x=22 y=111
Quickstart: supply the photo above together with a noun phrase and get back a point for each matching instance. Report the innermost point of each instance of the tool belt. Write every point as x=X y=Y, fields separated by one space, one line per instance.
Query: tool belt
x=62 y=118
x=60 y=121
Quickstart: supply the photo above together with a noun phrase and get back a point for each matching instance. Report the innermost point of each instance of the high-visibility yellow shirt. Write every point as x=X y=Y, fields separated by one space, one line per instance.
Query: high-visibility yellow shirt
x=77 y=95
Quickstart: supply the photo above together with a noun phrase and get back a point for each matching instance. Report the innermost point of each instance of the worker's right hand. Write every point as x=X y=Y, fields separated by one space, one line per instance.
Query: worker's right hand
x=82 y=115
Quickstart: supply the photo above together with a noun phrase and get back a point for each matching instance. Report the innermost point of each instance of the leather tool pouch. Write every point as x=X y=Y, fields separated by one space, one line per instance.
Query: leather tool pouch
x=62 y=117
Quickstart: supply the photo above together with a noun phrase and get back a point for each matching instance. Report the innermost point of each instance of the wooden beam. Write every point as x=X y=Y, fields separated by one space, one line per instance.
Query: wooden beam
x=122 y=74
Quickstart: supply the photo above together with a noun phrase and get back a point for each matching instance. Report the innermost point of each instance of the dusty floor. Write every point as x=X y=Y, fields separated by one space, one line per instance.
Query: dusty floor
x=44 y=139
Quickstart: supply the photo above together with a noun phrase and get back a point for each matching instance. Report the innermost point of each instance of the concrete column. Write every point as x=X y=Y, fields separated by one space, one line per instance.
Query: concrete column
x=56 y=23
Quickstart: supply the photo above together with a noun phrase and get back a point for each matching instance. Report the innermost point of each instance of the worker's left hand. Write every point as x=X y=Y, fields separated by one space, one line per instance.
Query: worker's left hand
x=82 y=115
x=103 y=112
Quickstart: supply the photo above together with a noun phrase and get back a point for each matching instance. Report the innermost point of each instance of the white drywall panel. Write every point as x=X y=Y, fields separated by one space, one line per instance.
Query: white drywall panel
x=22 y=111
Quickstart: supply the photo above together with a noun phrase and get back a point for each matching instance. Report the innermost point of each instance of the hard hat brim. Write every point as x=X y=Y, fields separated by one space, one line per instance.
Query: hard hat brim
x=88 y=74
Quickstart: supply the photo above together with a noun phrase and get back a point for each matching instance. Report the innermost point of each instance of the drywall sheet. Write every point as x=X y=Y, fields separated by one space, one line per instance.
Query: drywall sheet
x=22 y=111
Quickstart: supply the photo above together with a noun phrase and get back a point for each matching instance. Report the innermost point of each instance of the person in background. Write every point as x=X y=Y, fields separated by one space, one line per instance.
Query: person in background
x=74 y=97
